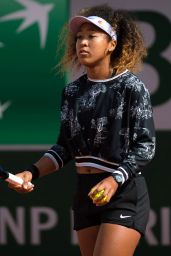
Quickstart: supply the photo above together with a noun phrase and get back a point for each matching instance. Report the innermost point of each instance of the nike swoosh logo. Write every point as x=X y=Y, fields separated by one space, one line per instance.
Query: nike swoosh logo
x=124 y=216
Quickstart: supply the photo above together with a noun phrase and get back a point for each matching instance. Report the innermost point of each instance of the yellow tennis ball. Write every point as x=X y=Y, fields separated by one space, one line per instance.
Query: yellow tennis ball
x=98 y=194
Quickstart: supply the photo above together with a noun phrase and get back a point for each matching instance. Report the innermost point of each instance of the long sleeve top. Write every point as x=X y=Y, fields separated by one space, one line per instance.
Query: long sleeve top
x=107 y=124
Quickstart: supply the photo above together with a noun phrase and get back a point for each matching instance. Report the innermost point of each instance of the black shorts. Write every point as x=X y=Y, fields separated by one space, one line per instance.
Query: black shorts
x=129 y=207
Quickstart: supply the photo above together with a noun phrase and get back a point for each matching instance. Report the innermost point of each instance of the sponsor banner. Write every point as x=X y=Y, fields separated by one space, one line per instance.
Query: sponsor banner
x=30 y=88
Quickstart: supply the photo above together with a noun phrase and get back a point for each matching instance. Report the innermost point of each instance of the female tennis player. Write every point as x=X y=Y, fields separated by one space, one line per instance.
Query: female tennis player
x=107 y=128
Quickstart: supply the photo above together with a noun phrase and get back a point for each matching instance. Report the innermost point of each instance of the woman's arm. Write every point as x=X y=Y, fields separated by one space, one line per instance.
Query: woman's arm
x=142 y=140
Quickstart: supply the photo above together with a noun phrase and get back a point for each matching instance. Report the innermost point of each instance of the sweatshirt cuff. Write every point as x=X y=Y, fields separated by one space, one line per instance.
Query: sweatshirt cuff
x=123 y=173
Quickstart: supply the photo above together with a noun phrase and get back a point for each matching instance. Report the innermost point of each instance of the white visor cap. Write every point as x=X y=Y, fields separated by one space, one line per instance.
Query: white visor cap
x=77 y=21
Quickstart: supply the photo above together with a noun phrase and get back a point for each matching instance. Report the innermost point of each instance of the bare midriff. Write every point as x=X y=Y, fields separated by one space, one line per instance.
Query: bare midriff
x=88 y=170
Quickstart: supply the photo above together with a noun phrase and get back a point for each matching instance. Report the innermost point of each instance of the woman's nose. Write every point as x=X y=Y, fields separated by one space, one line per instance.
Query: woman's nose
x=84 y=41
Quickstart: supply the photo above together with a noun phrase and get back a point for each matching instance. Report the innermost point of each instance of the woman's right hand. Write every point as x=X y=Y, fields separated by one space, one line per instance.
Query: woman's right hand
x=26 y=186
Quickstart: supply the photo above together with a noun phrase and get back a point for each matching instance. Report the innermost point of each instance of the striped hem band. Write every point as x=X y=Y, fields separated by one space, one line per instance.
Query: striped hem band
x=90 y=161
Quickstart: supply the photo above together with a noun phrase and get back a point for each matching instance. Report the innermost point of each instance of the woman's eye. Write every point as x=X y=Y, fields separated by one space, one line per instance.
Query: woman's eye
x=81 y=37
x=78 y=37
x=92 y=36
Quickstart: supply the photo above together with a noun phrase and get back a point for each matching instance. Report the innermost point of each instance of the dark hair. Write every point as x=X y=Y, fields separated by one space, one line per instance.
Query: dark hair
x=130 y=50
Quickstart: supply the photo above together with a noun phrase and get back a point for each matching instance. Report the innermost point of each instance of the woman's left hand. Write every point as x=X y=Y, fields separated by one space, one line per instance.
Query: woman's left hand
x=103 y=191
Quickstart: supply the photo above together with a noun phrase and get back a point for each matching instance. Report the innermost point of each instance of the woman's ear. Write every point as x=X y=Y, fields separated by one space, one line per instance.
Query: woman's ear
x=112 y=46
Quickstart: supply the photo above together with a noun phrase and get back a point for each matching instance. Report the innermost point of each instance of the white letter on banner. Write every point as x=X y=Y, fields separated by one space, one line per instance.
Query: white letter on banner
x=15 y=226
x=37 y=226
x=151 y=239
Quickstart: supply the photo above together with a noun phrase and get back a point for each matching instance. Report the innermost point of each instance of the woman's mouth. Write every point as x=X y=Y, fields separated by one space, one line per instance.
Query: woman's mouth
x=83 y=53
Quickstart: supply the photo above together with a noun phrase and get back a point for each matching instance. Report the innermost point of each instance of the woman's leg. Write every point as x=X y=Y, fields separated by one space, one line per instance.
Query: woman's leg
x=87 y=239
x=117 y=240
